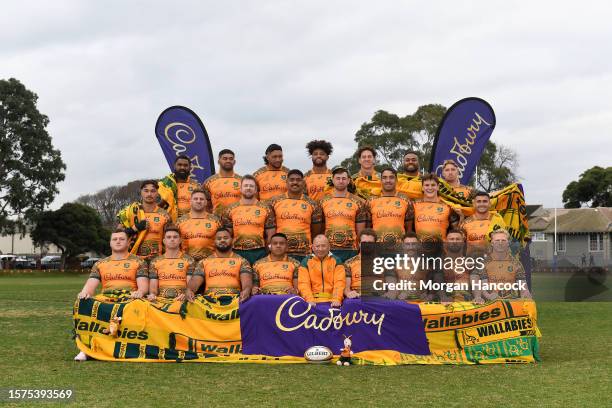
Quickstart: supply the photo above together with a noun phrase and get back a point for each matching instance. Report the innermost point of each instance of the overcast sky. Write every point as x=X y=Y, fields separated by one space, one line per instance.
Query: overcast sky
x=288 y=72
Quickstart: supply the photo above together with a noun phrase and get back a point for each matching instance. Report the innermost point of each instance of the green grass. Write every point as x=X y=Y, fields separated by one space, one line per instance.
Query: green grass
x=37 y=352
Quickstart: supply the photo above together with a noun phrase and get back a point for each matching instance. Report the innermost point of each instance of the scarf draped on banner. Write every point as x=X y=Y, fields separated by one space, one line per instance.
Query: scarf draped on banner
x=181 y=132
x=278 y=329
x=462 y=136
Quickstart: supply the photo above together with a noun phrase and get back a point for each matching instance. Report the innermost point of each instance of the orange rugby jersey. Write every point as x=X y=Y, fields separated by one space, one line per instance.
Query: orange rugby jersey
x=431 y=220
x=223 y=191
x=316 y=183
x=275 y=276
x=353 y=271
x=171 y=273
x=341 y=214
x=294 y=218
x=463 y=191
x=222 y=272
x=389 y=215
x=271 y=182
x=477 y=231
x=248 y=223
x=151 y=245
x=507 y=270
x=198 y=234
x=183 y=193
x=119 y=274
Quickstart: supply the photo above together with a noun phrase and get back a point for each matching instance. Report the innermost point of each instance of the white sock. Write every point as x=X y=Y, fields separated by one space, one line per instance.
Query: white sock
x=80 y=357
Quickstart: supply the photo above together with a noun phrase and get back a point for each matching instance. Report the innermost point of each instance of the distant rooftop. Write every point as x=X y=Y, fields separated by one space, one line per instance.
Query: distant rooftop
x=571 y=220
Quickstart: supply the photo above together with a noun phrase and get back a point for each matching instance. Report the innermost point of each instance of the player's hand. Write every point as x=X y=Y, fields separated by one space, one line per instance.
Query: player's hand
x=244 y=295
x=164 y=204
x=180 y=297
x=352 y=294
x=478 y=300
x=292 y=291
x=335 y=303
x=458 y=211
x=255 y=290
x=312 y=304
x=189 y=295
x=151 y=297
x=83 y=295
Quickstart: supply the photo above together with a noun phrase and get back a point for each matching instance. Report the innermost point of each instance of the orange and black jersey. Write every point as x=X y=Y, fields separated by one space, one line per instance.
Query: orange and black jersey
x=222 y=272
x=248 y=223
x=119 y=274
x=198 y=234
x=316 y=183
x=273 y=275
x=341 y=215
x=432 y=220
x=294 y=217
x=222 y=191
x=271 y=182
x=151 y=245
x=389 y=215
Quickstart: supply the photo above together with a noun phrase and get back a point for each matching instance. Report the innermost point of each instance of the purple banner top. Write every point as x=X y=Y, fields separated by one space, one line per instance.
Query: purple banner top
x=462 y=136
x=275 y=325
x=181 y=132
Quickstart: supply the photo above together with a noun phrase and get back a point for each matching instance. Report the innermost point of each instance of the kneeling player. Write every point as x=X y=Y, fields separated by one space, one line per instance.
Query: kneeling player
x=353 y=266
x=277 y=273
x=170 y=272
x=223 y=272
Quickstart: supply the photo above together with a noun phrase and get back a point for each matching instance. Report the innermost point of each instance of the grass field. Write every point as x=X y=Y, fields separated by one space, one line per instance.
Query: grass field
x=37 y=352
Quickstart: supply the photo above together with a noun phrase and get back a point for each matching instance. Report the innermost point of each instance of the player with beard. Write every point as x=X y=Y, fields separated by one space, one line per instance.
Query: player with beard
x=250 y=221
x=344 y=216
x=277 y=273
x=175 y=189
x=408 y=179
x=318 y=177
x=170 y=272
x=297 y=216
x=223 y=188
x=450 y=174
x=223 y=272
x=391 y=213
x=198 y=227
x=272 y=178
x=454 y=248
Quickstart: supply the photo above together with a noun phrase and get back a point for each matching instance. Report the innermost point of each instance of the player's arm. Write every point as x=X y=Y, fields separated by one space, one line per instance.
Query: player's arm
x=409 y=218
x=255 y=289
x=89 y=288
x=246 y=281
x=153 y=282
x=142 y=283
x=197 y=279
x=455 y=218
x=317 y=221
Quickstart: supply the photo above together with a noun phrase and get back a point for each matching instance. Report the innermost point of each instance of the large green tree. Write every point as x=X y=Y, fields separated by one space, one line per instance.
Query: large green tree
x=30 y=168
x=108 y=201
x=74 y=228
x=593 y=188
x=393 y=135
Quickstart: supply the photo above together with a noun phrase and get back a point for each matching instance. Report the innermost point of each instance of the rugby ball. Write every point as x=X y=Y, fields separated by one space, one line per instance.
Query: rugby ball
x=318 y=354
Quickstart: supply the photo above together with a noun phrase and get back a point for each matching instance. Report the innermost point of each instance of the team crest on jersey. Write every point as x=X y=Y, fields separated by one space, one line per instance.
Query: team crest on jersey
x=181 y=265
x=303 y=206
x=190 y=189
x=510 y=268
x=349 y=205
x=126 y=265
x=208 y=225
x=397 y=203
x=285 y=266
x=283 y=177
x=439 y=209
x=232 y=262
x=156 y=219
x=257 y=212
x=235 y=184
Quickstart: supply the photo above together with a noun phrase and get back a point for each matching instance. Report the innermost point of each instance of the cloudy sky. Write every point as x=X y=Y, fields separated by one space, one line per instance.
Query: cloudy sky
x=259 y=72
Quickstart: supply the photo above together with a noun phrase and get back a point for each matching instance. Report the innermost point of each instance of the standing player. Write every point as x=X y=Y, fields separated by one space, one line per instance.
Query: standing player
x=390 y=214
x=277 y=273
x=272 y=178
x=366 y=180
x=353 y=266
x=433 y=217
x=175 y=189
x=223 y=272
x=170 y=272
x=317 y=178
x=478 y=227
x=450 y=174
x=297 y=215
x=198 y=227
x=408 y=180
x=146 y=221
x=344 y=215
x=223 y=188
x=250 y=221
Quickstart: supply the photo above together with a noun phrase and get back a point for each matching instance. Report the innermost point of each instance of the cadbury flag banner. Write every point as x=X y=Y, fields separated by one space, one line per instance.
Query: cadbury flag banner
x=462 y=136
x=278 y=329
x=296 y=326
x=181 y=132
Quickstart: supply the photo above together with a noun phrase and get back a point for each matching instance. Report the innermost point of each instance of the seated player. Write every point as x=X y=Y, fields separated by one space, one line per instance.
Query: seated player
x=277 y=273
x=418 y=274
x=454 y=248
x=501 y=267
x=121 y=272
x=353 y=266
x=321 y=276
x=170 y=272
x=223 y=272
